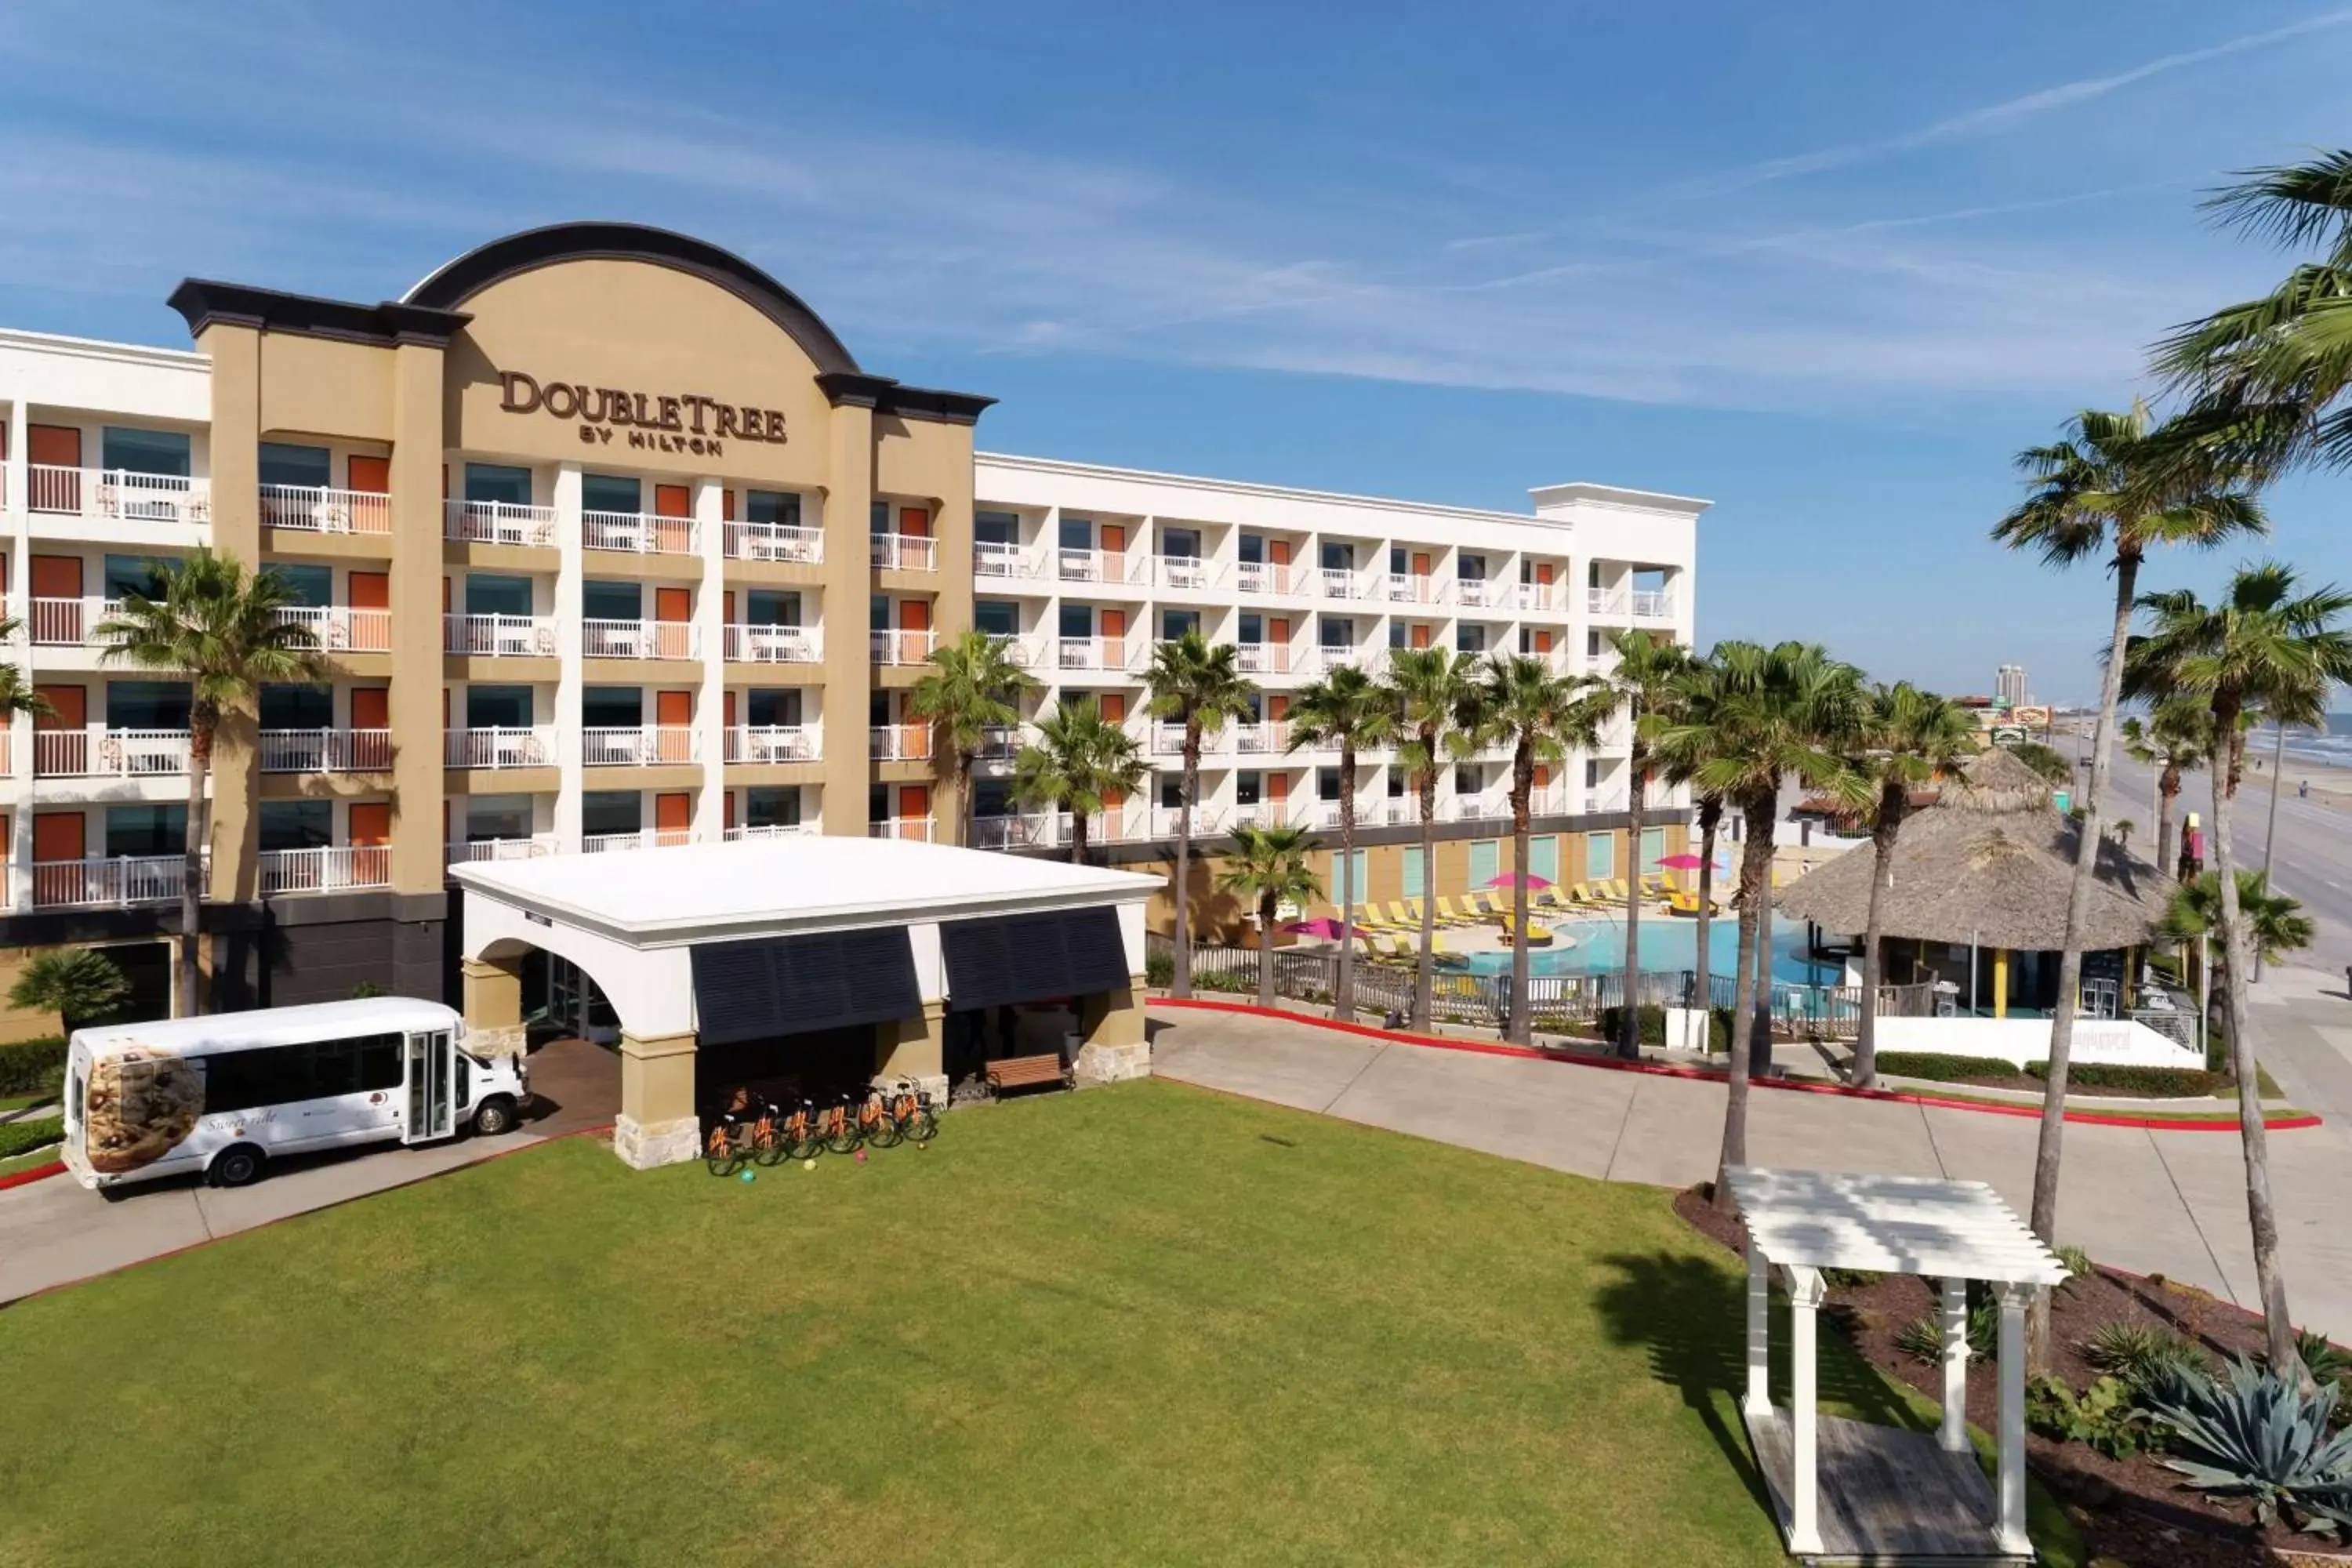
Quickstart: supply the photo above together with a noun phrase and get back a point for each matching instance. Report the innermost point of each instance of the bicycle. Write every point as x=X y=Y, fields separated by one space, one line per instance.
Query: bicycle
x=912 y=1114
x=745 y=1133
x=794 y=1136
x=837 y=1130
x=875 y=1124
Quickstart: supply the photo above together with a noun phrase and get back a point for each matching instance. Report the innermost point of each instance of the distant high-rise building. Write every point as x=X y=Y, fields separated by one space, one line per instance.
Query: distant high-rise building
x=2008 y=685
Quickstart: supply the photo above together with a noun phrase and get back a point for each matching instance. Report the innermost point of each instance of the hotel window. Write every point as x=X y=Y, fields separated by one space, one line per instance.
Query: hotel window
x=146 y=704
x=611 y=601
x=1247 y=788
x=308 y=586
x=146 y=829
x=1400 y=562
x=877 y=802
x=1326 y=783
x=498 y=482
x=771 y=607
x=610 y=492
x=1078 y=533
x=1592 y=643
x=1252 y=549
x=772 y=707
x=298 y=707
x=1396 y=634
x=1078 y=620
x=1592 y=773
x=1181 y=542
x=1335 y=631
x=1174 y=623
x=1470 y=568
x=497 y=706
x=1338 y=556
x=1171 y=791
x=490 y=816
x=1252 y=630
x=877 y=517
x=125 y=575
x=1599 y=855
x=1469 y=779
x=297 y=824
x=611 y=811
x=996 y=528
x=612 y=707
x=878 y=613
x=991 y=797
x=1396 y=781
x=997 y=617
x=781 y=507
x=161 y=452
x=309 y=467
x=1470 y=637
x=489 y=594
x=771 y=805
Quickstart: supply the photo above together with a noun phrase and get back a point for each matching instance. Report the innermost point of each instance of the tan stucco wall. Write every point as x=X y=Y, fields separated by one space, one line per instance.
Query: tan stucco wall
x=657 y=1078
x=417 y=858
x=912 y=1047
x=316 y=387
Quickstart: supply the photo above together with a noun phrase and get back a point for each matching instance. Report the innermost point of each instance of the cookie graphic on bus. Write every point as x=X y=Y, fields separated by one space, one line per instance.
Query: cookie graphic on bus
x=142 y=1103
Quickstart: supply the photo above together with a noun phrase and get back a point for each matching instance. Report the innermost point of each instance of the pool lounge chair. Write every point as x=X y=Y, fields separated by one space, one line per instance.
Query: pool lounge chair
x=1656 y=886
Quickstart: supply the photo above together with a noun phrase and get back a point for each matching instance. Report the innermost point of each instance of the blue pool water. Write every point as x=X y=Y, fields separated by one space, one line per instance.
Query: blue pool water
x=1667 y=942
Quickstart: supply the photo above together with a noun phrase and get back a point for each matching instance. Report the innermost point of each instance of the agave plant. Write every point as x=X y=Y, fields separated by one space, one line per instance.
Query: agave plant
x=2148 y=1357
x=2255 y=1435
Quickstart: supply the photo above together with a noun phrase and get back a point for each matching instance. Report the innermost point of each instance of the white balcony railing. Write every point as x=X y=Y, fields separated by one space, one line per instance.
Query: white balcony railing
x=1652 y=602
x=994 y=560
x=644 y=838
x=642 y=746
x=901 y=647
x=312 y=508
x=500 y=637
x=755 y=743
x=1335 y=656
x=900 y=742
x=108 y=881
x=70 y=623
x=1263 y=739
x=900 y=828
x=501 y=523
x=1414 y=588
x=1481 y=593
x=97 y=751
x=905 y=552
x=1604 y=602
x=342 y=629
x=1165 y=740
x=1207 y=820
x=1337 y=581
x=774 y=645
x=774 y=541
x=116 y=493
x=639 y=533
x=529 y=849
x=1262 y=658
x=499 y=746
x=639 y=639
x=1285 y=578
x=1000 y=742
x=1012 y=831
x=325 y=869
x=756 y=831
x=1538 y=597
x=1189 y=574
x=1095 y=653
x=1100 y=565
x=326 y=751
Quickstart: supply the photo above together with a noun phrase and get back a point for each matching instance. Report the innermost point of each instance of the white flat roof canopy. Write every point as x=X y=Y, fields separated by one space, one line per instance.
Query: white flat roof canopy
x=698 y=892
x=1901 y=1225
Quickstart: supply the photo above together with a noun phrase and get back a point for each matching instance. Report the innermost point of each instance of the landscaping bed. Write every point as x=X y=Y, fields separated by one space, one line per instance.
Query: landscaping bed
x=2134 y=1508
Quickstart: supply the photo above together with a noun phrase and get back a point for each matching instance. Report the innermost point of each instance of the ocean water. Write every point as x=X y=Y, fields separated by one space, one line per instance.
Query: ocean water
x=2330 y=747
x=1667 y=942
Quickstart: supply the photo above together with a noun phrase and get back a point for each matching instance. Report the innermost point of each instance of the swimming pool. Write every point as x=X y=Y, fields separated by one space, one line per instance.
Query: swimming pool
x=1667 y=942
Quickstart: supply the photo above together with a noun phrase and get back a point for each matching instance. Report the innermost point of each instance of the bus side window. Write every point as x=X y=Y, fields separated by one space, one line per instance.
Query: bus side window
x=465 y=1079
x=248 y=1081
x=379 y=1061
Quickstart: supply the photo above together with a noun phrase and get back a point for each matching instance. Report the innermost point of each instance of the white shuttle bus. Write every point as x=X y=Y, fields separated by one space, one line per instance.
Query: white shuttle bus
x=227 y=1093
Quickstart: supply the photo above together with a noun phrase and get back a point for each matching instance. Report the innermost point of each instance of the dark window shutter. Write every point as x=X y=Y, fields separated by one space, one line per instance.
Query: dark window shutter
x=1010 y=959
x=799 y=984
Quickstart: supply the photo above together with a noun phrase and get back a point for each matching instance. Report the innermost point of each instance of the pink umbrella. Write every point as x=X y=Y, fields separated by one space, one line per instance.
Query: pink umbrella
x=1682 y=862
x=1324 y=926
x=1513 y=878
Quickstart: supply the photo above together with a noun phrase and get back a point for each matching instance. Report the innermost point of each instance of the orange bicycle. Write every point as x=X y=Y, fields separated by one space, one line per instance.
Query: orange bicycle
x=876 y=1125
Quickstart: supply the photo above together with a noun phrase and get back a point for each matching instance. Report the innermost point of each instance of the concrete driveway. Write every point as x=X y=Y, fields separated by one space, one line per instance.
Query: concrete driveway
x=2169 y=1203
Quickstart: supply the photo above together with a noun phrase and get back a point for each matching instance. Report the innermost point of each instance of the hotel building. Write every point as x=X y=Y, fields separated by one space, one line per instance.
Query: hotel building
x=614 y=545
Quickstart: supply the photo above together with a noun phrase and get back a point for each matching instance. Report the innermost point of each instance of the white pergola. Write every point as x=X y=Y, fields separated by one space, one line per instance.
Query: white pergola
x=1803 y=1221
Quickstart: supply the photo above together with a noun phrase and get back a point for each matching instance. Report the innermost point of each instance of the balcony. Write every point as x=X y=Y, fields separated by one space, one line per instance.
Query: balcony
x=1337 y=655
x=639 y=639
x=326 y=751
x=1000 y=742
x=644 y=838
x=108 y=881
x=1481 y=593
x=1270 y=577
x=1268 y=738
x=500 y=637
x=342 y=629
x=1002 y=561
x=900 y=743
x=639 y=533
x=1099 y=566
x=774 y=541
x=501 y=523
x=327 y=868
x=642 y=746
x=918 y=827
x=1162 y=739
x=901 y=647
x=99 y=752
x=765 y=830
x=774 y=644
x=312 y=508
x=1095 y=653
x=69 y=623
x=1414 y=588
x=1653 y=602
x=759 y=743
x=1538 y=597
x=905 y=552
x=1262 y=658
x=497 y=746
x=1337 y=582
x=1189 y=574
x=115 y=494
x=1207 y=821
x=1012 y=831
x=529 y=849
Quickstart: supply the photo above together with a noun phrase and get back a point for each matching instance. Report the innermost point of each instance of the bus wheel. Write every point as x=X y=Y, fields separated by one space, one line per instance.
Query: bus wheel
x=237 y=1166
x=495 y=1118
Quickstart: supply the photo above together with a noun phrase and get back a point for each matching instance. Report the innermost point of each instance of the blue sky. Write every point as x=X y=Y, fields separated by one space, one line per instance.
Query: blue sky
x=1829 y=265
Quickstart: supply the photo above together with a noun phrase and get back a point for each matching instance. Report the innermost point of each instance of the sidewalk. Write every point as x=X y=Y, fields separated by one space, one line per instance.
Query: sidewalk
x=2169 y=1203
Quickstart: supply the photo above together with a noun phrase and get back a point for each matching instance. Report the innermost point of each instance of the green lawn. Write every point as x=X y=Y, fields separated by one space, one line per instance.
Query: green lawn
x=1145 y=1324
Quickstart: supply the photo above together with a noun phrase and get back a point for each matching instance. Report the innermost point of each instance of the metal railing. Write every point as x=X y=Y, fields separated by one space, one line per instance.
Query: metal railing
x=1263 y=739
x=1481 y=593
x=900 y=828
x=1280 y=577
x=529 y=849
x=1094 y=653
x=1652 y=602
x=499 y=746
x=645 y=745
x=639 y=533
x=109 y=881
x=1602 y=602
x=95 y=751
x=774 y=541
x=318 y=508
x=342 y=629
x=1013 y=831
x=325 y=751
x=1262 y=658
x=994 y=560
x=900 y=742
x=902 y=646
x=501 y=523
x=905 y=551
x=70 y=623
x=117 y=493
x=1187 y=573
x=324 y=868
x=643 y=839
x=640 y=639
x=774 y=645
x=1413 y=588
x=500 y=637
x=1100 y=565
x=774 y=830
x=1339 y=583
x=775 y=743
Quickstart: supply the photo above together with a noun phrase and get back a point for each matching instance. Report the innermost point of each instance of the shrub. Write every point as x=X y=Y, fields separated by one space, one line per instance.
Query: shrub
x=1922 y=1339
x=80 y=985
x=2326 y=1361
x=2169 y=1082
x=1940 y=1067
x=23 y=1137
x=30 y=1067
x=2145 y=1357
x=2105 y=1416
x=1159 y=968
x=1653 y=1026
x=2078 y=1263
x=2255 y=1435
x=1226 y=981
x=1843 y=1279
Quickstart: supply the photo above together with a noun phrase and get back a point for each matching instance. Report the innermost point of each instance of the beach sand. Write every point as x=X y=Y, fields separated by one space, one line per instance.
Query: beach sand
x=2330 y=786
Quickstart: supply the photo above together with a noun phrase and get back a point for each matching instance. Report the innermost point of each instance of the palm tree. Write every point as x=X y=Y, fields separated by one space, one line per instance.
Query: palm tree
x=1641 y=686
x=1268 y=866
x=2171 y=740
x=1762 y=715
x=1346 y=711
x=1908 y=738
x=2265 y=644
x=972 y=687
x=1202 y=689
x=1079 y=762
x=1699 y=690
x=2112 y=486
x=221 y=629
x=2275 y=923
x=1522 y=704
x=79 y=984
x=2269 y=375
x=1436 y=693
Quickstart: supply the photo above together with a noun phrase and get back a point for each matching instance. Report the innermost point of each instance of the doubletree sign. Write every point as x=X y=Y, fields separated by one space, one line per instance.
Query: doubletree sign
x=658 y=421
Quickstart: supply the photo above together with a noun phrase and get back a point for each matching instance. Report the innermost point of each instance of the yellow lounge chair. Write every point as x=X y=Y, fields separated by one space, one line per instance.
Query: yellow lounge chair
x=1656 y=886
x=1682 y=903
x=1582 y=893
x=1617 y=889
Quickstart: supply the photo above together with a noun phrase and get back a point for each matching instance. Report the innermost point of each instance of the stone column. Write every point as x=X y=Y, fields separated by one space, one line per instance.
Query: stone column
x=1116 y=1048
x=1952 y=1435
x=493 y=1007
x=657 y=1125
x=914 y=1048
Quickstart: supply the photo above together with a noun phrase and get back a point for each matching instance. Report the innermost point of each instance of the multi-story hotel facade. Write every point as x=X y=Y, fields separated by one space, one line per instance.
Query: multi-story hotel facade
x=612 y=545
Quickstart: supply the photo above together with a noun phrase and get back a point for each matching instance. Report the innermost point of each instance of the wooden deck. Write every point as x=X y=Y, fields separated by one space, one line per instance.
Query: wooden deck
x=1887 y=1496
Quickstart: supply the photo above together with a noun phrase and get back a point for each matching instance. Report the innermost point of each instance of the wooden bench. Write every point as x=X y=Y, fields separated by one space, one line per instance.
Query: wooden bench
x=1025 y=1072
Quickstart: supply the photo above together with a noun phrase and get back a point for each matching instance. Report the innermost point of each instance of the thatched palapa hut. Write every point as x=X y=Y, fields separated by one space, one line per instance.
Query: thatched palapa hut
x=1976 y=896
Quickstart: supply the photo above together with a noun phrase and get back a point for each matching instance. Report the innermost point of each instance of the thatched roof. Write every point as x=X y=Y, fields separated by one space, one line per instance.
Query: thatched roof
x=1991 y=863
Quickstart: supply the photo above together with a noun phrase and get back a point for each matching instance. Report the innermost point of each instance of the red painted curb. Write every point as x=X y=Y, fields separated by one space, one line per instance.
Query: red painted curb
x=1711 y=1075
x=38 y=1172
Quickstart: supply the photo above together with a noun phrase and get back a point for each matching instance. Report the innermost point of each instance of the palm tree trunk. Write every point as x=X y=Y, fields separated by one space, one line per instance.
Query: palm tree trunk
x=1523 y=777
x=1077 y=838
x=2167 y=791
x=963 y=799
x=1179 y=978
x=1710 y=818
x=1891 y=803
x=2278 y=1331
x=1266 y=951
x=192 y=865
x=1343 y=990
x=1755 y=873
x=2044 y=1216
x=1629 y=1029
x=1424 y=981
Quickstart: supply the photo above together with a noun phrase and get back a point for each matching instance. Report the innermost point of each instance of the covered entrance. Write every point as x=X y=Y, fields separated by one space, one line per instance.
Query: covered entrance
x=809 y=966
